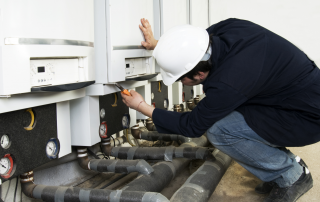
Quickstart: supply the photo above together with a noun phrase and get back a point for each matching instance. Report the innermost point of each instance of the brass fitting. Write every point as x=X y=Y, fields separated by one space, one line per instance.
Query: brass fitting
x=176 y=108
x=196 y=100
x=135 y=132
x=190 y=104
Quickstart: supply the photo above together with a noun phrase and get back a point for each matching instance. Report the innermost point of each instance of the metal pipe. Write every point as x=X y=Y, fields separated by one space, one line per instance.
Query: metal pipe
x=190 y=104
x=60 y=193
x=202 y=183
x=162 y=153
x=73 y=156
x=150 y=125
x=107 y=165
x=164 y=172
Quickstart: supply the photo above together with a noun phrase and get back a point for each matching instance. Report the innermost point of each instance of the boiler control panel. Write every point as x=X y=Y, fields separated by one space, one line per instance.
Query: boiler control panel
x=54 y=71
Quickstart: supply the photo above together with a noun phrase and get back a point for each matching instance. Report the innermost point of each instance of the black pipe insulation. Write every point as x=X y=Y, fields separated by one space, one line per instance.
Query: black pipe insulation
x=154 y=136
x=163 y=173
x=162 y=153
x=108 y=165
x=202 y=183
x=76 y=194
x=120 y=166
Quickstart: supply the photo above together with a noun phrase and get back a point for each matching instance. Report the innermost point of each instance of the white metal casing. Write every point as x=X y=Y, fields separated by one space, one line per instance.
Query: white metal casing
x=64 y=128
x=177 y=91
x=35 y=29
x=118 y=39
x=84 y=116
x=145 y=91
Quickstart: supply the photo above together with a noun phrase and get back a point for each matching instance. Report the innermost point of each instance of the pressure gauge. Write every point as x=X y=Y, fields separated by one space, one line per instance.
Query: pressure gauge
x=126 y=121
x=103 y=129
x=5 y=141
x=52 y=148
x=6 y=166
x=166 y=103
x=102 y=113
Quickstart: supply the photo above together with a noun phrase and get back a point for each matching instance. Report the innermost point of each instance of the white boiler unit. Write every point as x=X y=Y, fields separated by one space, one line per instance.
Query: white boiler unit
x=119 y=53
x=46 y=45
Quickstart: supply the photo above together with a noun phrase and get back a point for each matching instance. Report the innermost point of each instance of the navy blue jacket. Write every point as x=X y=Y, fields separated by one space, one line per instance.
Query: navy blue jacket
x=272 y=83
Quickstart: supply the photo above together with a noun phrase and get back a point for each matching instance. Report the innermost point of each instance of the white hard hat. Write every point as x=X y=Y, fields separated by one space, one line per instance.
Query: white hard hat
x=179 y=50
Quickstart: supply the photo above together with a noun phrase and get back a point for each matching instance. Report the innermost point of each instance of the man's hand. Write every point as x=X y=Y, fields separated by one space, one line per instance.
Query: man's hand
x=136 y=101
x=132 y=101
x=150 y=42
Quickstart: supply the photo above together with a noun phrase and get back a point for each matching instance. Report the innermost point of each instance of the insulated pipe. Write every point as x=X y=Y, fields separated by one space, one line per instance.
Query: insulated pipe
x=154 y=136
x=164 y=172
x=202 y=183
x=162 y=153
x=60 y=193
x=116 y=166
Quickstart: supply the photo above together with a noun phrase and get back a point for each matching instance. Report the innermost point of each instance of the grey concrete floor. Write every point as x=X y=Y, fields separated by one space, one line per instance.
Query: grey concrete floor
x=238 y=184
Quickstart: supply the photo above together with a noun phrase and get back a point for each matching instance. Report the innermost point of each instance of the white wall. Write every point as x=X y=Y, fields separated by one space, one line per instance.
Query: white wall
x=296 y=20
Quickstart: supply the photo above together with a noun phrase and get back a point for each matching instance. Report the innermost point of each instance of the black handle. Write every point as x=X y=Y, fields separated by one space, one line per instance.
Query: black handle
x=64 y=87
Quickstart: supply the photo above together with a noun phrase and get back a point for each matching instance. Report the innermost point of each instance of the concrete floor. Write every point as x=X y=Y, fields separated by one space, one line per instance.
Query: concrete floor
x=238 y=184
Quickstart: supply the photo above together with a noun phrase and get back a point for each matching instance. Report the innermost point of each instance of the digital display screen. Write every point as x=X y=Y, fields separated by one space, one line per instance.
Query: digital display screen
x=40 y=69
x=127 y=65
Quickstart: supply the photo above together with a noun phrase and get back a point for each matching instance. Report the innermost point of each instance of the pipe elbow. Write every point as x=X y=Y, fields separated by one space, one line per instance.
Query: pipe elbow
x=106 y=146
x=143 y=167
x=27 y=185
x=135 y=132
x=83 y=159
x=150 y=125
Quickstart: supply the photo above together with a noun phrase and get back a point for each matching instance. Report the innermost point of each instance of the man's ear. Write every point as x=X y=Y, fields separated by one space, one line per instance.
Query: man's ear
x=201 y=75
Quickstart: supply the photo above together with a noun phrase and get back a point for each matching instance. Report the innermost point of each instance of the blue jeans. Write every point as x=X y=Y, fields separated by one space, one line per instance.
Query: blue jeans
x=268 y=162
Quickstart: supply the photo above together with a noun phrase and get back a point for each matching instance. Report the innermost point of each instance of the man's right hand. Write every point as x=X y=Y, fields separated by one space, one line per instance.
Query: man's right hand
x=150 y=42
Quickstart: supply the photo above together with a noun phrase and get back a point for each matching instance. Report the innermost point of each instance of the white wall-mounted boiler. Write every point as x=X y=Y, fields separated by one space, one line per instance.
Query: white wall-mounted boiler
x=119 y=53
x=46 y=45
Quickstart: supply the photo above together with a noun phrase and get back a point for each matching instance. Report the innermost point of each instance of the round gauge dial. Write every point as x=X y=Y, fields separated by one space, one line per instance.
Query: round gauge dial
x=166 y=103
x=5 y=142
x=103 y=130
x=126 y=121
x=102 y=113
x=52 y=148
x=6 y=166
